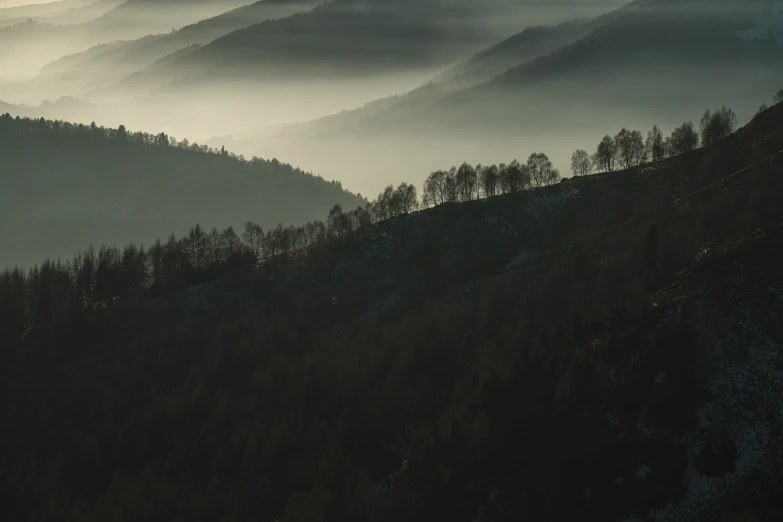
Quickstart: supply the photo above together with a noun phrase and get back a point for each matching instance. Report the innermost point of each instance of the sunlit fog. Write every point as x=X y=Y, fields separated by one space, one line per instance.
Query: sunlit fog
x=373 y=93
x=391 y=261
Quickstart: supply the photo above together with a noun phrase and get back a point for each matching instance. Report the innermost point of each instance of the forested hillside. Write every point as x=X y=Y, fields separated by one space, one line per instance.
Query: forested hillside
x=64 y=186
x=604 y=348
x=554 y=85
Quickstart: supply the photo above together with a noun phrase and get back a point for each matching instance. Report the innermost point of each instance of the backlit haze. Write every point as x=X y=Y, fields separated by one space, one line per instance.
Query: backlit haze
x=369 y=93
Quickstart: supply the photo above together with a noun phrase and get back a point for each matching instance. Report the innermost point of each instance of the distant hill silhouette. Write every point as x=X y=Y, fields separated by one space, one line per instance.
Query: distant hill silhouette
x=344 y=39
x=30 y=43
x=110 y=62
x=59 y=12
x=627 y=44
x=137 y=18
x=65 y=185
x=569 y=78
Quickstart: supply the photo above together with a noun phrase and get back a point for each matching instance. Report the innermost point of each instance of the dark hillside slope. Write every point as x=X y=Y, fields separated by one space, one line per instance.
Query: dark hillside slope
x=548 y=355
x=64 y=186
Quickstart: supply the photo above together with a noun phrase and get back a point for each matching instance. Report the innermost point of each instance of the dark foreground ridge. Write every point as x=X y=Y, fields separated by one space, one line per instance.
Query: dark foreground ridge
x=604 y=349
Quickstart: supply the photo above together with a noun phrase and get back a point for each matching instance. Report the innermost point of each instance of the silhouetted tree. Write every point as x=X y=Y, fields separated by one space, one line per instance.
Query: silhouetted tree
x=488 y=180
x=683 y=139
x=778 y=97
x=174 y=258
x=253 y=236
x=467 y=181
x=197 y=241
x=405 y=199
x=717 y=125
x=655 y=145
x=363 y=218
x=504 y=180
x=155 y=259
x=230 y=242
x=335 y=221
x=630 y=148
x=541 y=171
x=580 y=163
x=434 y=189
x=606 y=154
x=762 y=108
x=215 y=248
x=450 y=189
x=321 y=231
x=514 y=177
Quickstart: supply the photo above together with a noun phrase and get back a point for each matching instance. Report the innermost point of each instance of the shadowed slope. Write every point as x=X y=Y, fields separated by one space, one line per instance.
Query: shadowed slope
x=543 y=355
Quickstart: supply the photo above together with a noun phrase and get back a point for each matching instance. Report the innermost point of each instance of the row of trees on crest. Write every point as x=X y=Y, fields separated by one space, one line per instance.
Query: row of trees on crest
x=629 y=148
x=468 y=183
x=40 y=295
x=56 y=290
x=778 y=98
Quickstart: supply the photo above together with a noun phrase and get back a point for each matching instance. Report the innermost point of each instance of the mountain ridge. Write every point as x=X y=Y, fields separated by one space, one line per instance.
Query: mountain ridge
x=87 y=181
x=598 y=344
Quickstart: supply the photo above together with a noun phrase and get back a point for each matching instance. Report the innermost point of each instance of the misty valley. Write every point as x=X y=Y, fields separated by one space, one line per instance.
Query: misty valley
x=391 y=260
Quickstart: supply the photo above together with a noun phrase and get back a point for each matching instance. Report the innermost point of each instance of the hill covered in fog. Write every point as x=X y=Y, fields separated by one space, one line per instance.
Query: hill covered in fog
x=137 y=18
x=229 y=73
x=606 y=348
x=57 y=12
x=616 y=69
x=66 y=186
x=353 y=38
x=107 y=63
x=30 y=43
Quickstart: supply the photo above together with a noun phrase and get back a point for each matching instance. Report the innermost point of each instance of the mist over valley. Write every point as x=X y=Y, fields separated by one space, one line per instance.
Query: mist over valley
x=391 y=260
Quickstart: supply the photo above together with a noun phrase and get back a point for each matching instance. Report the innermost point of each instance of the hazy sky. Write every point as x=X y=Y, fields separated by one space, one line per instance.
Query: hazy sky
x=14 y=3
x=259 y=89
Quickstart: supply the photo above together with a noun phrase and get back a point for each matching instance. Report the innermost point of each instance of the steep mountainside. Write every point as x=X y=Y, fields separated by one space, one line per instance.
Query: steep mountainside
x=136 y=18
x=64 y=187
x=531 y=43
x=107 y=63
x=704 y=40
x=608 y=348
x=26 y=47
x=719 y=52
x=352 y=38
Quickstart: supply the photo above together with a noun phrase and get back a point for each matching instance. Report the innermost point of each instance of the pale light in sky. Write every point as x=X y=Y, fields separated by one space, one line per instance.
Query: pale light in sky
x=15 y=3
